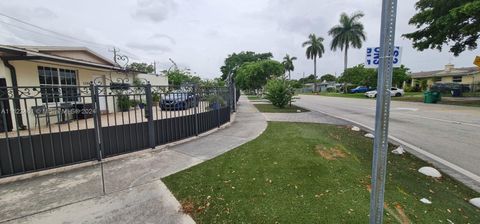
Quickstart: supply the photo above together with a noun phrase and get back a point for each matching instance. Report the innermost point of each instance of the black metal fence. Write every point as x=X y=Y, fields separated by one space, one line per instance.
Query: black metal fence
x=50 y=126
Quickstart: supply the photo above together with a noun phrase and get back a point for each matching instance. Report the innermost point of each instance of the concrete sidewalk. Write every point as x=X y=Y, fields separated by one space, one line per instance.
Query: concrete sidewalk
x=134 y=191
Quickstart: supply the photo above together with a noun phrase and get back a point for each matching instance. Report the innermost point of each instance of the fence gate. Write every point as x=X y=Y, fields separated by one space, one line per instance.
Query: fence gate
x=54 y=126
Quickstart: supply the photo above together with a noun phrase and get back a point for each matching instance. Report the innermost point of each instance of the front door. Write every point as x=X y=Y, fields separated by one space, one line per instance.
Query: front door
x=5 y=117
x=102 y=99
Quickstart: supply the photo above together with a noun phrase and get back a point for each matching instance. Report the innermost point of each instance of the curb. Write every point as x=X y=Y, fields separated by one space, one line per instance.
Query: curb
x=449 y=168
x=80 y=165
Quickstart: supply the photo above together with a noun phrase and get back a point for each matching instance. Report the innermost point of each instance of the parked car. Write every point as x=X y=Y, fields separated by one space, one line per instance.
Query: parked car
x=179 y=101
x=393 y=92
x=359 y=89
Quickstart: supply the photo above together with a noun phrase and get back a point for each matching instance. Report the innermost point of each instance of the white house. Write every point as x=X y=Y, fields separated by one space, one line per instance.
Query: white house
x=65 y=67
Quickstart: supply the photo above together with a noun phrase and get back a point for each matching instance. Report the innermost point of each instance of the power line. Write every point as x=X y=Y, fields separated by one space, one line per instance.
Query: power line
x=33 y=31
x=55 y=32
x=51 y=31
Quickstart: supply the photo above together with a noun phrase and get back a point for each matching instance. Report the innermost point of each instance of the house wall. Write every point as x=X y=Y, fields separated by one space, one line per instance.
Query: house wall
x=27 y=75
x=3 y=70
x=155 y=80
x=468 y=80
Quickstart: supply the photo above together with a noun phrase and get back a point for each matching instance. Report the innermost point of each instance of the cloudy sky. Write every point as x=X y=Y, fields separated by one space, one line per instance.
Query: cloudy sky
x=199 y=34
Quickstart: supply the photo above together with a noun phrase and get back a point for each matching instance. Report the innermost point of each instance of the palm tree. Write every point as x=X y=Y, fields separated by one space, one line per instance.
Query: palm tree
x=348 y=33
x=288 y=64
x=315 y=49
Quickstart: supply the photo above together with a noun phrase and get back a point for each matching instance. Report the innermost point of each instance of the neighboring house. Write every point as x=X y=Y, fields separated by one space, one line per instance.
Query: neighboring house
x=309 y=87
x=65 y=67
x=450 y=74
x=328 y=86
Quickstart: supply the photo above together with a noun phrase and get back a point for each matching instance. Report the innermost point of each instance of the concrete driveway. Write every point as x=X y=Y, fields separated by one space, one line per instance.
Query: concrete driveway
x=449 y=136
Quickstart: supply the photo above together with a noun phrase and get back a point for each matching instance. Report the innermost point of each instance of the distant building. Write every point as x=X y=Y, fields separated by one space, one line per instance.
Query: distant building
x=321 y=86
x=450 y=74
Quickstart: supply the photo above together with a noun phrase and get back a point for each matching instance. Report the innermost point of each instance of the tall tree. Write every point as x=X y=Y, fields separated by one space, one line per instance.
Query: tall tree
x=359 y=75
x=349 y=33
x=235 y=60
x=288 y=64
x=328 y=78
x=309 y=79
x=439 y=22
x=179 y=77
x=141 y=67
x=315 y=49
x=254 y=75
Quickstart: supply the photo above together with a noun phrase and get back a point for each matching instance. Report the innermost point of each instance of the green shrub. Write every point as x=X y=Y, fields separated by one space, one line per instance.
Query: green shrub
x=424 y=84
x=123 y=102
x=216 y=98
x=279 y=92
x=156 y=97
x=408 y=89
x=331 y=89
x=134 y=103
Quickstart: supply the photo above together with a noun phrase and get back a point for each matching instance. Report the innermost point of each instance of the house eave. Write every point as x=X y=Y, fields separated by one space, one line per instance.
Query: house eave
x=22 y=54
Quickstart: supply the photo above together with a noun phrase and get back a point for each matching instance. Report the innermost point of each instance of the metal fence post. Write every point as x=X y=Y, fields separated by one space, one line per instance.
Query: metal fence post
x=149 y=115
x=234 y=90
x=196 y=95
x=218 y=106
x=97 y=121
x=380 y=145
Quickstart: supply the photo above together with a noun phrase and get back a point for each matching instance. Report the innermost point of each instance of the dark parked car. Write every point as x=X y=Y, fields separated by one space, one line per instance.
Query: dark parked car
x=360 y=89
x=179 y=101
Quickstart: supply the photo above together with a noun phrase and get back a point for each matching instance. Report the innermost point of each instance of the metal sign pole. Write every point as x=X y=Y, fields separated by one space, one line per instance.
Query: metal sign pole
x=380 y=147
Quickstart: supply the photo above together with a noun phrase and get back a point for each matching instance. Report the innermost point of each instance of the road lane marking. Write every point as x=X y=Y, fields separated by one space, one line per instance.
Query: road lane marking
x=404 y=108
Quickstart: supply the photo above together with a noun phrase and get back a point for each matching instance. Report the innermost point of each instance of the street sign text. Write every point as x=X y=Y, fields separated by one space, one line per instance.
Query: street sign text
x=373 y=57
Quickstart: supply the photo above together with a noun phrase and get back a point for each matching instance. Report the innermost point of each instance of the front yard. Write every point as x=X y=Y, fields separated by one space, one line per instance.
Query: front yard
x=254 y=97
x=314 y=173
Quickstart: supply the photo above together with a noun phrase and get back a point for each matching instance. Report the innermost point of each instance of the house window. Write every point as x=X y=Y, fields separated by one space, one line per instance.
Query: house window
x=457 y=79
x=437 y=79
x=57 y=85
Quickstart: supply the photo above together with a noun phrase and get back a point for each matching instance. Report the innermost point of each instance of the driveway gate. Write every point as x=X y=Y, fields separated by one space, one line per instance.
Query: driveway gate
x=54 y=126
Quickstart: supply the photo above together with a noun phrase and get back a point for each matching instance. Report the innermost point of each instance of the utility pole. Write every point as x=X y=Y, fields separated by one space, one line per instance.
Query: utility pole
x=380 y=146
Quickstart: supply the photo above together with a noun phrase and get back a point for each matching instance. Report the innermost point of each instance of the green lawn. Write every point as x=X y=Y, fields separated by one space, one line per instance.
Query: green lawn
x=313 y=173
x=269 y=108
x=253 y=97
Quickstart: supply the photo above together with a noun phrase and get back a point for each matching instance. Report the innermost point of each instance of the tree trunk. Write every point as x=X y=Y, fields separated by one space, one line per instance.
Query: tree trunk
x=315 y=73
x=345 y=68
x=289 y=78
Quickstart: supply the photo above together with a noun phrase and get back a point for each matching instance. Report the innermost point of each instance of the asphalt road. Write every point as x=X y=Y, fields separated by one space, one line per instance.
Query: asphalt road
x=449 y=132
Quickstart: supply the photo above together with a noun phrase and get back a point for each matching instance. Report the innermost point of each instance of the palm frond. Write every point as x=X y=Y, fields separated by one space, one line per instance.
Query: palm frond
x=350 y=32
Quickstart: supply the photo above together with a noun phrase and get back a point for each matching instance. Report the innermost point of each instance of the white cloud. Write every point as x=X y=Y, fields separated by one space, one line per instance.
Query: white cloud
x=155 y=11
x=199 y=34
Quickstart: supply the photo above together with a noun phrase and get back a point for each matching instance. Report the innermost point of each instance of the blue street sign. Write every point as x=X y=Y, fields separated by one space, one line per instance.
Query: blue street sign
x=373 y=57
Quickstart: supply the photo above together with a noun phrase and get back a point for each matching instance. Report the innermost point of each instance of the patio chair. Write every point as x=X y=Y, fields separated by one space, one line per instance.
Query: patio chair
x=40 y=111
